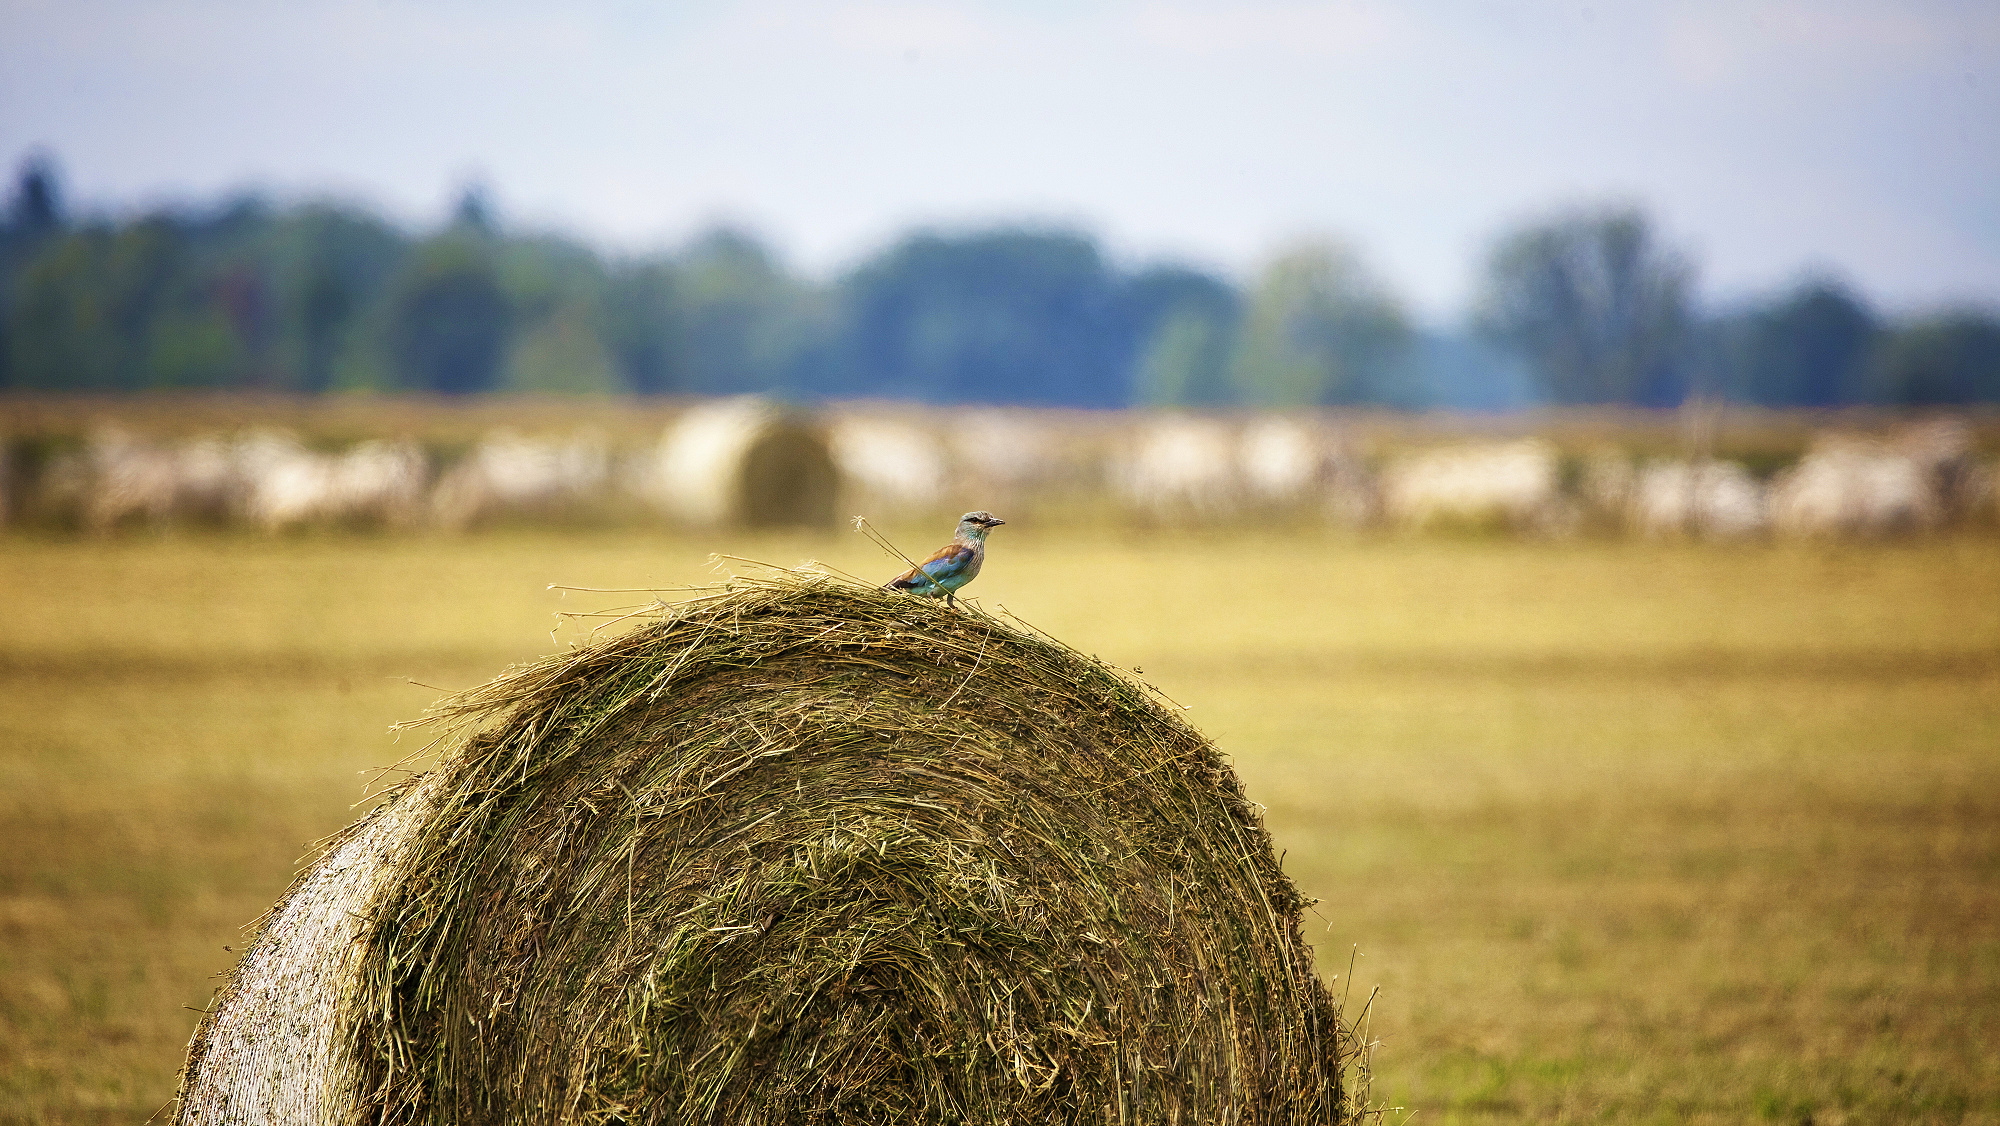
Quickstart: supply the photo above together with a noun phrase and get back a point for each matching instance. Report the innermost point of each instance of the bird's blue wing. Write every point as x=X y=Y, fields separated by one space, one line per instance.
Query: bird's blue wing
x=950 y=561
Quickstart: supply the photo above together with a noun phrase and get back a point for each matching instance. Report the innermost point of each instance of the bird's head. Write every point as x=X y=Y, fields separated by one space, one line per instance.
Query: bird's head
x=975 y=525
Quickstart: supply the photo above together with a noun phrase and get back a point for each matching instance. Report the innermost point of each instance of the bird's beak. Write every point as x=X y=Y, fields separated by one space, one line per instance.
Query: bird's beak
x=995 y=523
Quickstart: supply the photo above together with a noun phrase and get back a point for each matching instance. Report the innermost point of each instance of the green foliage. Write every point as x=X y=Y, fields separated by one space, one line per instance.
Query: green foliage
x=1184 y=362
x=1004 y=315
x=1821 y=346
x=448 y=319
x=1320 y=331
x=1811 y=348
x=195 y=348
x=744 y=323
x=58 y=330
x=36 y=210
x=1185 y=325
x=238 y=298
x=1595 y=305
x=643 y=325
x=330 y=263
x=143 y=277
x=563 y=355
x=33 y=216
x=1587 y=308
x=1945 y=360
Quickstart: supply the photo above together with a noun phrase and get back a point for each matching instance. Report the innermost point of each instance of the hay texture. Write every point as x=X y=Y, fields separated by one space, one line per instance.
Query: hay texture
x=798 y=852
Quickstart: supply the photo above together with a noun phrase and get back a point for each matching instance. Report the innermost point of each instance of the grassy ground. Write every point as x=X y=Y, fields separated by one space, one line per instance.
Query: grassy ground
x=1625 y=832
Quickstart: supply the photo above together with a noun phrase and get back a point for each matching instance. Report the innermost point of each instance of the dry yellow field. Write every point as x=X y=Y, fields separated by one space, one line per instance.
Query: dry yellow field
x=1624 y=832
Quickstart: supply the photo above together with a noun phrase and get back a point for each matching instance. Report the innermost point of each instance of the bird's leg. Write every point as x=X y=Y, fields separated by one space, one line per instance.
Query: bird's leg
x=951 y=599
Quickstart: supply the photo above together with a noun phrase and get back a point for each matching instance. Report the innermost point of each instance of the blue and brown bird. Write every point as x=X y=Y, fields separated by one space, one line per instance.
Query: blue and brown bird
x=954 y=565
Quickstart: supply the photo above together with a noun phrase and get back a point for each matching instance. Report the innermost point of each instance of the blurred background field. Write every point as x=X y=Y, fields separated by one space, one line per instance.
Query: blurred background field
x=1555 y=450
x=1624 y=830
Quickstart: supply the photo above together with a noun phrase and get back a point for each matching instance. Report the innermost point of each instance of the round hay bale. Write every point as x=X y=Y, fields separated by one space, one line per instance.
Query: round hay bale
x=798 y=852
x=744 y=462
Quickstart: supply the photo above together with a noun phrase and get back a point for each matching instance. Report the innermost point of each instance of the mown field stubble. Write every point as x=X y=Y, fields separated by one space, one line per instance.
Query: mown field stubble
x=1625 y=832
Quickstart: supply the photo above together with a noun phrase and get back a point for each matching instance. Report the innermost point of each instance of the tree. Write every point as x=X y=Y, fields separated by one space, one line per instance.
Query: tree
x=1320 y=330
x=1007 y=315
x=331 y=264
x=196 y=346
x=562 y=355
x=146 y=274
x=743 y=323
x=1184 y=327
x=448 y=319
x=1947 y=360
x=643 y=326
x=33 y=216
x=124 y=308
x=35 y=212
x=59 y=335
x=1810 y=349
x=1595 y=307
x=473 y=213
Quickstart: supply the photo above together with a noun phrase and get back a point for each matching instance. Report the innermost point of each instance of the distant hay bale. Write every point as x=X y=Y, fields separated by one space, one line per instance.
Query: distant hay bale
x=282 y=484
x=511 y=475
x=1706 y=498
x=1025 y=458
x=125 y=477
x=279 y=481
x=799 y=852
x=378 y=480
x=1945 y=454
x=1513 y=484
x=1288 y=462
x=1177 y=467
x=894 y=465
x=1281 y=459
x=1608 y=485
x=1013 y=451
x=1918 y=477
x=266 y=478
x=743 y=462
x=1851 y=486
x=1182 y=467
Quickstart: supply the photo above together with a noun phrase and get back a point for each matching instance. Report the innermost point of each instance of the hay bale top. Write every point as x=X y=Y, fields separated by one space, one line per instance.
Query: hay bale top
x=807 y=852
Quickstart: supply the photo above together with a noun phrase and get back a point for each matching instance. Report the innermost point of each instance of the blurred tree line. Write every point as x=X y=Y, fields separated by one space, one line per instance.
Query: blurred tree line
x=1601 y=311
x=1587 y=307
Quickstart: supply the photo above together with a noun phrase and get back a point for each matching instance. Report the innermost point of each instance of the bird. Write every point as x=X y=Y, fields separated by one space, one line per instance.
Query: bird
x=954 y=564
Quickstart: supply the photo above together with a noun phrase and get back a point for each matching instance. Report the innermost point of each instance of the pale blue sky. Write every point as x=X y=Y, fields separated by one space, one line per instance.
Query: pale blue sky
x=1769 y=138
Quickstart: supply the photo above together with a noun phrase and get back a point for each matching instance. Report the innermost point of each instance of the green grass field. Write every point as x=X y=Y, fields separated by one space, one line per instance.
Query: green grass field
x=1624 y=832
